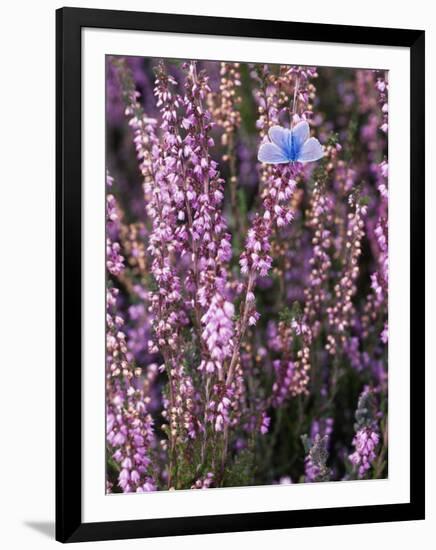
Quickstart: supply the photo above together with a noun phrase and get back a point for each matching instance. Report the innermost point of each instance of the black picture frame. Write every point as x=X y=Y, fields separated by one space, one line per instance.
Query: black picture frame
x=69 y=23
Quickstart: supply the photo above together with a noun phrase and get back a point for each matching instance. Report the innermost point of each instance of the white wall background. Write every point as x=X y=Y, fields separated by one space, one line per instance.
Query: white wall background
x=27 y=243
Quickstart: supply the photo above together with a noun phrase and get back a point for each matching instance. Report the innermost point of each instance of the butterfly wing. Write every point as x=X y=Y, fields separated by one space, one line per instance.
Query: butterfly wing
x=271 y=154
x=279 y=136
x=310 y=151
x=300 y=134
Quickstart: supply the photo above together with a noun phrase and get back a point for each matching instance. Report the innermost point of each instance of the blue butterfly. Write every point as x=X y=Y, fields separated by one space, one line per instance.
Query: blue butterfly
x=293 y=145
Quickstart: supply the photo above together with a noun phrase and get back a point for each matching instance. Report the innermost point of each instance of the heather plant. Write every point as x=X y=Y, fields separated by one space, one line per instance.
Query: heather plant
x=247 y=274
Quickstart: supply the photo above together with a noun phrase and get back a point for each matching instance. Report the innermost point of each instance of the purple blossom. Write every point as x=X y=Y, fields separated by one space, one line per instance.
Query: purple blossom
x=365 y=441
x=367 y=436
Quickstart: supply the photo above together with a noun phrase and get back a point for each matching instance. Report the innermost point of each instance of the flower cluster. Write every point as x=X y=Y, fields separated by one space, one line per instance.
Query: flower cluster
x=367 y=435
x=217 y=334
x=129 y=425
x=316 y=458
x=341 y=311
x=224 y=103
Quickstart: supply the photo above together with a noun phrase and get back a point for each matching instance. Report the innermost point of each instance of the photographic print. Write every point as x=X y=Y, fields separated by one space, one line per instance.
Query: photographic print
x=246 y=274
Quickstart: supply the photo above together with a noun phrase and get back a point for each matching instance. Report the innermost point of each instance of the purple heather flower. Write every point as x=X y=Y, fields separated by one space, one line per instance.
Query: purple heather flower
x=367 y=434
x=365 y=441
x=264 y=423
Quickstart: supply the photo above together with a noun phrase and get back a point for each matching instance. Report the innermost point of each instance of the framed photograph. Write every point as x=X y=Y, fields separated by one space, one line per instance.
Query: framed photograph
x=240 y=275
